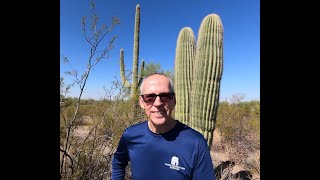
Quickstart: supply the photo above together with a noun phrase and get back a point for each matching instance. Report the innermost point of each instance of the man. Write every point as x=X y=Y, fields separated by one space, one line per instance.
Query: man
x=161 y=148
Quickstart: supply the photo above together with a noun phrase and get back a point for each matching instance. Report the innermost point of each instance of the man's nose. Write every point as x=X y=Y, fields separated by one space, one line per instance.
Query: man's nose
x=157 y=101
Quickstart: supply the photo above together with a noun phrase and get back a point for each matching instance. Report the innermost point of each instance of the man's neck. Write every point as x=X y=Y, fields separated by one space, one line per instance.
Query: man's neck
x=162 y=128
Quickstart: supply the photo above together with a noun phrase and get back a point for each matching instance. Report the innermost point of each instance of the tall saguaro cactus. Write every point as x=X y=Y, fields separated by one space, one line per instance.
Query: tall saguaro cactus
x=206 y=76
x=136 y=53
x=134 y=86
x=185 y=54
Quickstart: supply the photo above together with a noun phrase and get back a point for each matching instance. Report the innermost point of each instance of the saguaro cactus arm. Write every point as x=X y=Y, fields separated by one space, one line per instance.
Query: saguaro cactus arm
x=122 y=71
x=141 y=73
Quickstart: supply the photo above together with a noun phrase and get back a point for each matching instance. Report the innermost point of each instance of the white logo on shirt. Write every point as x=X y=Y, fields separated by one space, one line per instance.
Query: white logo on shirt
x=174 y=163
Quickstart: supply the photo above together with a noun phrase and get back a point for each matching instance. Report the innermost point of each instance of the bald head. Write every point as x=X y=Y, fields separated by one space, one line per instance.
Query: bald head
x=159 y=103
x=156 y=79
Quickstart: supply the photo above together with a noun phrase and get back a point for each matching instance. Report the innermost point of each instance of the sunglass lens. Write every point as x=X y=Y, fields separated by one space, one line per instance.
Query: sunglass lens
x=149 y=98
x=166 y=97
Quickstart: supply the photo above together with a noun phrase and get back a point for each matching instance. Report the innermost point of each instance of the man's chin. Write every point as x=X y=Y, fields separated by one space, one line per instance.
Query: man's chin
x=158 y=120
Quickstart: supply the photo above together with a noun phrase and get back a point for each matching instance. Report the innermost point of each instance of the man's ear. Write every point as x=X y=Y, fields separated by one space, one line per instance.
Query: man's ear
x=141 y=102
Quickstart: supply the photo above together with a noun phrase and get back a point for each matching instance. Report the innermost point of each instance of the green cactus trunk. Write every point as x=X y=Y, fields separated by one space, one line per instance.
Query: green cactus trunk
x=207 y=76
x=185 y=55
x=135 y=65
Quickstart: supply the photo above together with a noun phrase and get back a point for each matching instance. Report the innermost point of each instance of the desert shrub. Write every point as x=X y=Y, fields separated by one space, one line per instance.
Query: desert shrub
x=239 y=126
x=90 y=156
x=238 y=120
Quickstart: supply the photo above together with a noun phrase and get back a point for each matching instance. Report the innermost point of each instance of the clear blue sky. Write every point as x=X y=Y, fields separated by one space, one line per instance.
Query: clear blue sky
x=160 y=23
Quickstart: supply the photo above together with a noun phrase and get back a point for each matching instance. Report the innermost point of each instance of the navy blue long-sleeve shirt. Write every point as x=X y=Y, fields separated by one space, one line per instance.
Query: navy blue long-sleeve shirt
x=182 y=153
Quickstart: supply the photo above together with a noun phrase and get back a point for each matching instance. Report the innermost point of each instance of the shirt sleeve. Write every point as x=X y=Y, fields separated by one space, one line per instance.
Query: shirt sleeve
x=204 y=168
x=120 y=160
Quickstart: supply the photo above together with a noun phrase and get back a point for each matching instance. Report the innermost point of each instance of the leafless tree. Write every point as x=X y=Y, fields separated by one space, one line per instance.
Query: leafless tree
x=80 y=158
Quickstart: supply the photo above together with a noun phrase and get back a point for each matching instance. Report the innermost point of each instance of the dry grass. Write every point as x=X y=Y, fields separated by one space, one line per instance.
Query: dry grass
x=235 y=158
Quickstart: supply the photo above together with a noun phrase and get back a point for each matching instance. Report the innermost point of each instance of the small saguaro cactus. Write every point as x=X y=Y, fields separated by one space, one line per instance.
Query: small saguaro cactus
x=185 y=54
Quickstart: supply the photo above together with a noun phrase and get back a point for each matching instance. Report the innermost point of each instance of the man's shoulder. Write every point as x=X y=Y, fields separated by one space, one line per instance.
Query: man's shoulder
x=138 y=125
x=191 y=136
x=136 y=128
x=190 y=131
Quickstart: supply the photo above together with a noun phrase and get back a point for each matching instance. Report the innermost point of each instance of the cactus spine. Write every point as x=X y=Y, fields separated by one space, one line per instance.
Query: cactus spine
x=206 y=77
x=185 y=54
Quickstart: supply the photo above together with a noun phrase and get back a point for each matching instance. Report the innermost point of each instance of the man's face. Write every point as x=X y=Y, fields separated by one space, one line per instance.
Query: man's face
x=159 y=111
